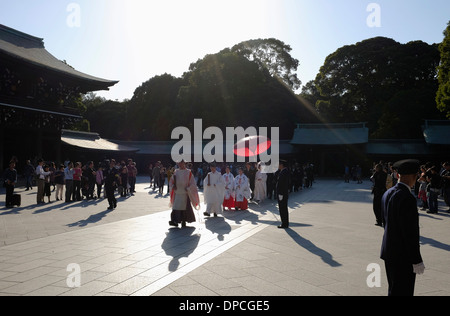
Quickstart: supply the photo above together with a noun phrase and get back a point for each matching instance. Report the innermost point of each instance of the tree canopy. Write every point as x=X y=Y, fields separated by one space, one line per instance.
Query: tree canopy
x=273 y=55
x=443 y=94
x=228 y=89
x=390 y=86
x=381 y=82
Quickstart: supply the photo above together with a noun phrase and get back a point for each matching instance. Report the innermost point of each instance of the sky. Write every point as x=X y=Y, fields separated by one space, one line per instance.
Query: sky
x=135 y=40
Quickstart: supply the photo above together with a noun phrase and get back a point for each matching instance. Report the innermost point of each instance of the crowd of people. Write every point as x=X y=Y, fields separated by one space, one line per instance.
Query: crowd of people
x=300 y=176
x=432 y=180
x=397 y=190
x=224 y=190
x=73 y=181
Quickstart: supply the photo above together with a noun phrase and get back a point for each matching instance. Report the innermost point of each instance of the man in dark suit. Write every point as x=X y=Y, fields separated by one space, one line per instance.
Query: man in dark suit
x=401 y=249
x=10 y=177
x=283 y=193
x=112 y=179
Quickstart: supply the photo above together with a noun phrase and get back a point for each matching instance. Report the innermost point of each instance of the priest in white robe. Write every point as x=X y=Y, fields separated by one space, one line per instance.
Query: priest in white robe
x=213 y=191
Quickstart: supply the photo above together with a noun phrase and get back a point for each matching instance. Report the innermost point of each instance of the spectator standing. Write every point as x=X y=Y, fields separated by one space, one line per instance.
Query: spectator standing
x=10 y=177
x=123 y=183
x=48 y=183
x=379 y=188
x=423 y=187
x=346 y=174
x=112 y=178
x=68 y=179
x=155 y=172
x=41 y=174
x=91 y=180
x=29 y=173
x=150 y=171
x=161 y=180
x=59 y=182
x=446 y=184
x=169 y=173
x=434 y=188
x=77 y=174
x=359 y=174
x=99 y=179
x=132 y=174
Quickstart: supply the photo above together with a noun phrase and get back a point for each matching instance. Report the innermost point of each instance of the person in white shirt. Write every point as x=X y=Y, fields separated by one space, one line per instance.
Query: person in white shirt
x=41 y=181
x=68 y=179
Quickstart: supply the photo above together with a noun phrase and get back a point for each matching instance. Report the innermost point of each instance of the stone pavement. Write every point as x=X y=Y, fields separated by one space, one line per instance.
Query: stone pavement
x=132 y=251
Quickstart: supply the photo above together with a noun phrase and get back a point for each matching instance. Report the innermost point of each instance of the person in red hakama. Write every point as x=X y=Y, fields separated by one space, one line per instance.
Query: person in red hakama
x=242 y=191
x=228 y=201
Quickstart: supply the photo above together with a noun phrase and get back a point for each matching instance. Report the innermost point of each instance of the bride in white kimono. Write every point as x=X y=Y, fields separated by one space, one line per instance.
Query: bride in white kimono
x=260 y=192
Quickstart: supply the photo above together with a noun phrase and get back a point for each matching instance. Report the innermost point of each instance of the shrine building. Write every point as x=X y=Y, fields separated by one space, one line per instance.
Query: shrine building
x=39 y=97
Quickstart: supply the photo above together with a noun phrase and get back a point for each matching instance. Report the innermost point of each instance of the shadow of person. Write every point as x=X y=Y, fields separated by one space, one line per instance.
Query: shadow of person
x=434 y=243
x=308 y=245
x=219 y=226
x=179 y=243
x=94 y=218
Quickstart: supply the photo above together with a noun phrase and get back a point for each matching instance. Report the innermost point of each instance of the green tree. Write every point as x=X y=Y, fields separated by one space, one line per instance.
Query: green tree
x=360 y=82
x=230 y=88
x=106 y=117
x=273 y=55
x=227 y=89
x=443 y=94
x=151 y=109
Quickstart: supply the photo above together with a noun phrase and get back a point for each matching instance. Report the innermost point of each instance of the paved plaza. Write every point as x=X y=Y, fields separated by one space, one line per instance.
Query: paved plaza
x=131 y=251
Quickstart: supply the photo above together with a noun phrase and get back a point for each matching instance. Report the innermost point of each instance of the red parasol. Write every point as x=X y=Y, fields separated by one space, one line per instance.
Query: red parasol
x=252 y=146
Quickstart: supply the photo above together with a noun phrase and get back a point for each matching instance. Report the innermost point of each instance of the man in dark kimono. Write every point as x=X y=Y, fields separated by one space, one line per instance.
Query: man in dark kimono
x=283 y=194
x=401 y=249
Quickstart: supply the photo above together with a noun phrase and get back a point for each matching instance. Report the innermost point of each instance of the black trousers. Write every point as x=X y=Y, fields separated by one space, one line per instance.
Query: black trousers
x=401 y=278
x=109 y=191
x=377 y=198
x=284 y=214
x=9 y=194
x=69 y=190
